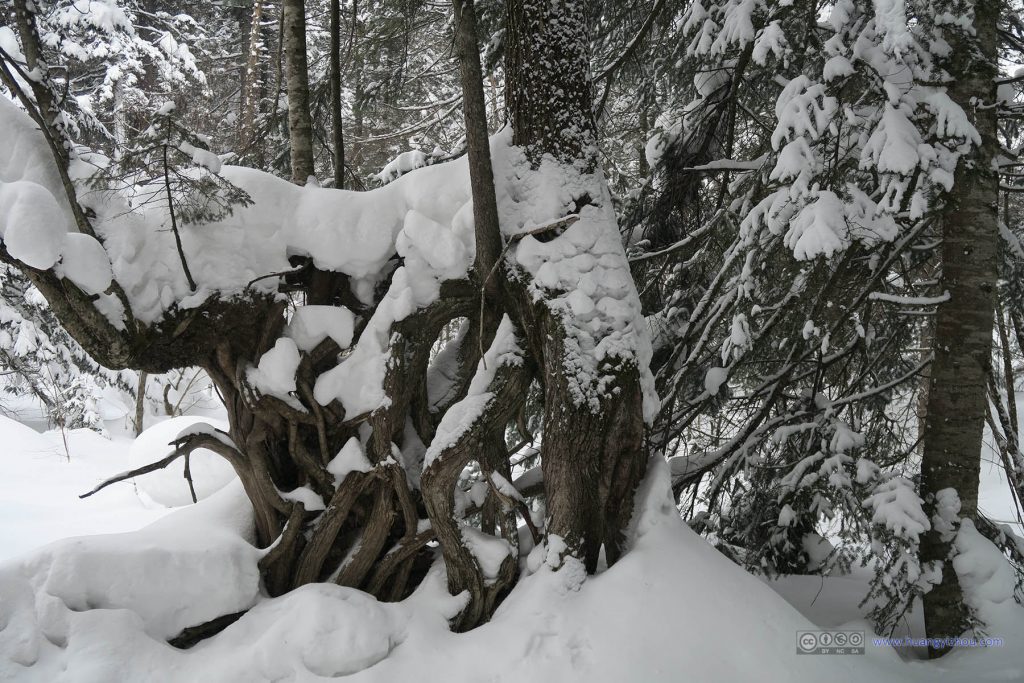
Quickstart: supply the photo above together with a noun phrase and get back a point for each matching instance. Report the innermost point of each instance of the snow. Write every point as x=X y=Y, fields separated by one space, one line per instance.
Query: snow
x=354 y=233
x=402 y=164
x=168 y=487
x=819 y=229
x=84 y=262
x=31 y=223
x=587 y=259
x=275 y=372
x=986 y=578
x=505 y=487
x=317 y=630
x=461 y=416
x=99 y=609
x=83 y=599
x=39 y=490
x=714 y=379
x=351 y=458
x=306 y=496
x=896 y=505
x=202 y=157
x=490 y=551
x=893 y=146
x=786 y=516
x=947 y=513
x=424 y=217
x=310 y=325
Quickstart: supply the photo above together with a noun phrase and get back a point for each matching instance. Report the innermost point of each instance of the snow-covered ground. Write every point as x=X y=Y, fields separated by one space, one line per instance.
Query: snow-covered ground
x=42 y=481
x=100 y=608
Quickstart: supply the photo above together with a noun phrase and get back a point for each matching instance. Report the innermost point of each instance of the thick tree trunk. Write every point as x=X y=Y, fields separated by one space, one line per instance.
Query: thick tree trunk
x=300 y=124
x=963 y=329
x=593 y=455
x=548 y=93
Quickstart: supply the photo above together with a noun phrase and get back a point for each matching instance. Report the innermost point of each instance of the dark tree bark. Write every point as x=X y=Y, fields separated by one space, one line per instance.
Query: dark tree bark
x=963 y=328
x=337 y=132
x=300 y=124
x=548 y=93
x=485 y=208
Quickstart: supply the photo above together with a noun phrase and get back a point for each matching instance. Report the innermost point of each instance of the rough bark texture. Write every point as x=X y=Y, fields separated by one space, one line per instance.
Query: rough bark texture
x=300 y=125
x=548 y=92
x=963 y=329
x=593 y=459
x=140 y=404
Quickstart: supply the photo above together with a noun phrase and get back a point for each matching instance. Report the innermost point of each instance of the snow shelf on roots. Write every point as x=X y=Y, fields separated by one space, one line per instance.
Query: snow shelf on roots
x=672 y=609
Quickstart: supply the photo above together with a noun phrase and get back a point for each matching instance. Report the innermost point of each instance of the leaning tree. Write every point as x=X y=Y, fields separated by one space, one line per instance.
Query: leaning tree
x=317 y=314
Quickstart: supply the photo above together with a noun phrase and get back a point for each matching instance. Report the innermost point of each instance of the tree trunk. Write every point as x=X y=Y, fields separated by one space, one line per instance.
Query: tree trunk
x=485 y=207
x=963 y=328
x=300 y=124
x=250 y=81
x=335 y=76
x=548 y=93
x=593 y=456
x=140 y=403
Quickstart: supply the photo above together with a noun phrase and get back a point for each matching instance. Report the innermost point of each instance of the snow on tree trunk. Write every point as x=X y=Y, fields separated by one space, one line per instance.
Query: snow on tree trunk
x=576 y=298
x=963 y=329
x=251 y=86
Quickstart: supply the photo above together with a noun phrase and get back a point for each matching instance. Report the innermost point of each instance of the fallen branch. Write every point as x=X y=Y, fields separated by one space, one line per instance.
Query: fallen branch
x=145 y=469
x=196 y=634
x=183 y=447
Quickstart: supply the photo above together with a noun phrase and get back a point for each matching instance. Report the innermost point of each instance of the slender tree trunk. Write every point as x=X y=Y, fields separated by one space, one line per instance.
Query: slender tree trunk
x=335 y=75
x=963 y=328
x=250 y=84
x=140 y=403
x=300 y=124
x=485 y=207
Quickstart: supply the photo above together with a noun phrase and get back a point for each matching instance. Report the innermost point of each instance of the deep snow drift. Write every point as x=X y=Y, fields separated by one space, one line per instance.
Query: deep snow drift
x=100 y=608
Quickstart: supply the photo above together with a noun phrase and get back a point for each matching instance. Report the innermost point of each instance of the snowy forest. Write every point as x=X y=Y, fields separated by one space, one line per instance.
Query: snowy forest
x=535 y=340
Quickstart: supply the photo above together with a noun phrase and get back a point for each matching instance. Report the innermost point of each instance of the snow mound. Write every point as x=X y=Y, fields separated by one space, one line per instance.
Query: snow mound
x=168 y=487
x=327 y=630
x=71 y=609
x=985 y=575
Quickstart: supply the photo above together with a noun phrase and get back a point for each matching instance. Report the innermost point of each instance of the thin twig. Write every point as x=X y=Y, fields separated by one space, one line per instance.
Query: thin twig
x=174 y=224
